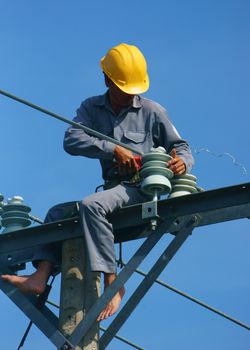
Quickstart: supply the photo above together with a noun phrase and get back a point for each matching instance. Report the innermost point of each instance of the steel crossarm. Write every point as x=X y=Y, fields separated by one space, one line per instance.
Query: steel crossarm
x=121 y=279
x=219 y=205
x=213 y=206
x=43 y=318
x=35 y=236
x=147 y=283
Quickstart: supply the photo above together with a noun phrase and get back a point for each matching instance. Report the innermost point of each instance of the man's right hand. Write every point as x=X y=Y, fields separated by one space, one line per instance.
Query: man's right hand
x=126 y=162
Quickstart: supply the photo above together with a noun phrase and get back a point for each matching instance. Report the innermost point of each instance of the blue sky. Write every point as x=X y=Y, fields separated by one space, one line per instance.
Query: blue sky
x=199 y=67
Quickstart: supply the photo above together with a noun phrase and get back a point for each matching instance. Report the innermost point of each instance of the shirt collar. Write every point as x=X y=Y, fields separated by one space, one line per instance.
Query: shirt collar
x=103 y=100
x=137 y=102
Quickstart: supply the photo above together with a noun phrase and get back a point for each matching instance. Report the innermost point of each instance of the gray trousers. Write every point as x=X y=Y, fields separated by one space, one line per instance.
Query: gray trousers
x=97 y=230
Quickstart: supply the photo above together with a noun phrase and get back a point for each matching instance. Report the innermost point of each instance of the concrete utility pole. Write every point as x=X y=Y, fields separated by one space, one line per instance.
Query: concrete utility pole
x=79 y=290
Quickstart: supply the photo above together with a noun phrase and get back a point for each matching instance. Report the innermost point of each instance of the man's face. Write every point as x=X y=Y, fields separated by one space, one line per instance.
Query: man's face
x=118 y=96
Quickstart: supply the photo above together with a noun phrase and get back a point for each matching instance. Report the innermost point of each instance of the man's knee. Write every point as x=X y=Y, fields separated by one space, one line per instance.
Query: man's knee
x=90 y=205
x=61 y=211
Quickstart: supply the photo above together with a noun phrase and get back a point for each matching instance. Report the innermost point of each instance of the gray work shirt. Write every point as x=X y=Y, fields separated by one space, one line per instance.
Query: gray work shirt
x=143 y=125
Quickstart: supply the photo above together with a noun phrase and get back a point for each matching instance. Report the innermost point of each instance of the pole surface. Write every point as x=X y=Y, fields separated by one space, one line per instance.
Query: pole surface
x=79 y=290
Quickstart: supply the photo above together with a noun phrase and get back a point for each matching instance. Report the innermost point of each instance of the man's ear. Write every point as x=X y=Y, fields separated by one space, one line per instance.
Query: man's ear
x=106 y=80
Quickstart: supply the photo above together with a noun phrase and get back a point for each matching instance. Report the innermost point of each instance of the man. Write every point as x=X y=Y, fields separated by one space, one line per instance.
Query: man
x=136 y=121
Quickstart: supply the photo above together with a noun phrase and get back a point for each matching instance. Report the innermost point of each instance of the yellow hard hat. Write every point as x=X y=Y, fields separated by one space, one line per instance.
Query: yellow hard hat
x=126 y=66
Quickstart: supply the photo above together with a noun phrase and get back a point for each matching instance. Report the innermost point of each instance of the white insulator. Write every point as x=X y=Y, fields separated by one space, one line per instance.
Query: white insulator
x=183 y=185
x=15 y=214
x=155 y=172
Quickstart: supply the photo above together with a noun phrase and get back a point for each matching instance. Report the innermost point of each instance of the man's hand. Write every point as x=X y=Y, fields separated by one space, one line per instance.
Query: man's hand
x=125 y=161
x=176 y=164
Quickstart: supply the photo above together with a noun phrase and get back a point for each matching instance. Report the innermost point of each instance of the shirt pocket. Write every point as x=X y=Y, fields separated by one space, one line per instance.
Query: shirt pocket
x=135 y=137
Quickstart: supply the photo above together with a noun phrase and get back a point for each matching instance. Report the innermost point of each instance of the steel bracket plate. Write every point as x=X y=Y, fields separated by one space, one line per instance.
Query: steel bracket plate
x=149 y=210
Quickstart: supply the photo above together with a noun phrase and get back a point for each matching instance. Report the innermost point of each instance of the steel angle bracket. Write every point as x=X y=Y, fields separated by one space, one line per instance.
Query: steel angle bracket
x=180 y=221
x=149 y=210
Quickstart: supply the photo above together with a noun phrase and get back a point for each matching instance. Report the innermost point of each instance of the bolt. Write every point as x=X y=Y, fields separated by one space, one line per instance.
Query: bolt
x=15 y=200
x=153 y=224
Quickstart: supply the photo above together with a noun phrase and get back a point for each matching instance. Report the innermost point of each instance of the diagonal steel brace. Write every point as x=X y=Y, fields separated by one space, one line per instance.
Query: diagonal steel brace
x=43 y=318
x=147 y=283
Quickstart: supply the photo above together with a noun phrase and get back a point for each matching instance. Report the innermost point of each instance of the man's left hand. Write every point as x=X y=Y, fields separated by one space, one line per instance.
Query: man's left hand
x=176 y=164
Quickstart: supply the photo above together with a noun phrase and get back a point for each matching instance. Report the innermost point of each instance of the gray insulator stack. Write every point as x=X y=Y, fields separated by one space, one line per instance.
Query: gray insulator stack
x=155 y=173
x=183 y=185
x=15 y=214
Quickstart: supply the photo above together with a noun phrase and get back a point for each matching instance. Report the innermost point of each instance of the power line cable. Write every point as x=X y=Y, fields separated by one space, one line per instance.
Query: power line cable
x=108 y=138
x=35 y=219
x=197 y=301
x=122 y=339
x=223 y=154
x=71 y=122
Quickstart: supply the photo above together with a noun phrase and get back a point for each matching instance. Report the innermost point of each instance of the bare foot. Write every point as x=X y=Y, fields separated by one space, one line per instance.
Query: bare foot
x=26 y=284
x=115 y=302
x=32 y=284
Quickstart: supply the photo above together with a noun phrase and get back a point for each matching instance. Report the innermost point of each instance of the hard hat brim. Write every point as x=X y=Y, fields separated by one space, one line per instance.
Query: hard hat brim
x=132 y=89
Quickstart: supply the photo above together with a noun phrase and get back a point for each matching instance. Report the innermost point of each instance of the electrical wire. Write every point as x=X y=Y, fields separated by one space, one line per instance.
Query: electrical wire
x=224 y=154
x=71 y=122
x=199 y=302
x=122 y=339
x=35 y=219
